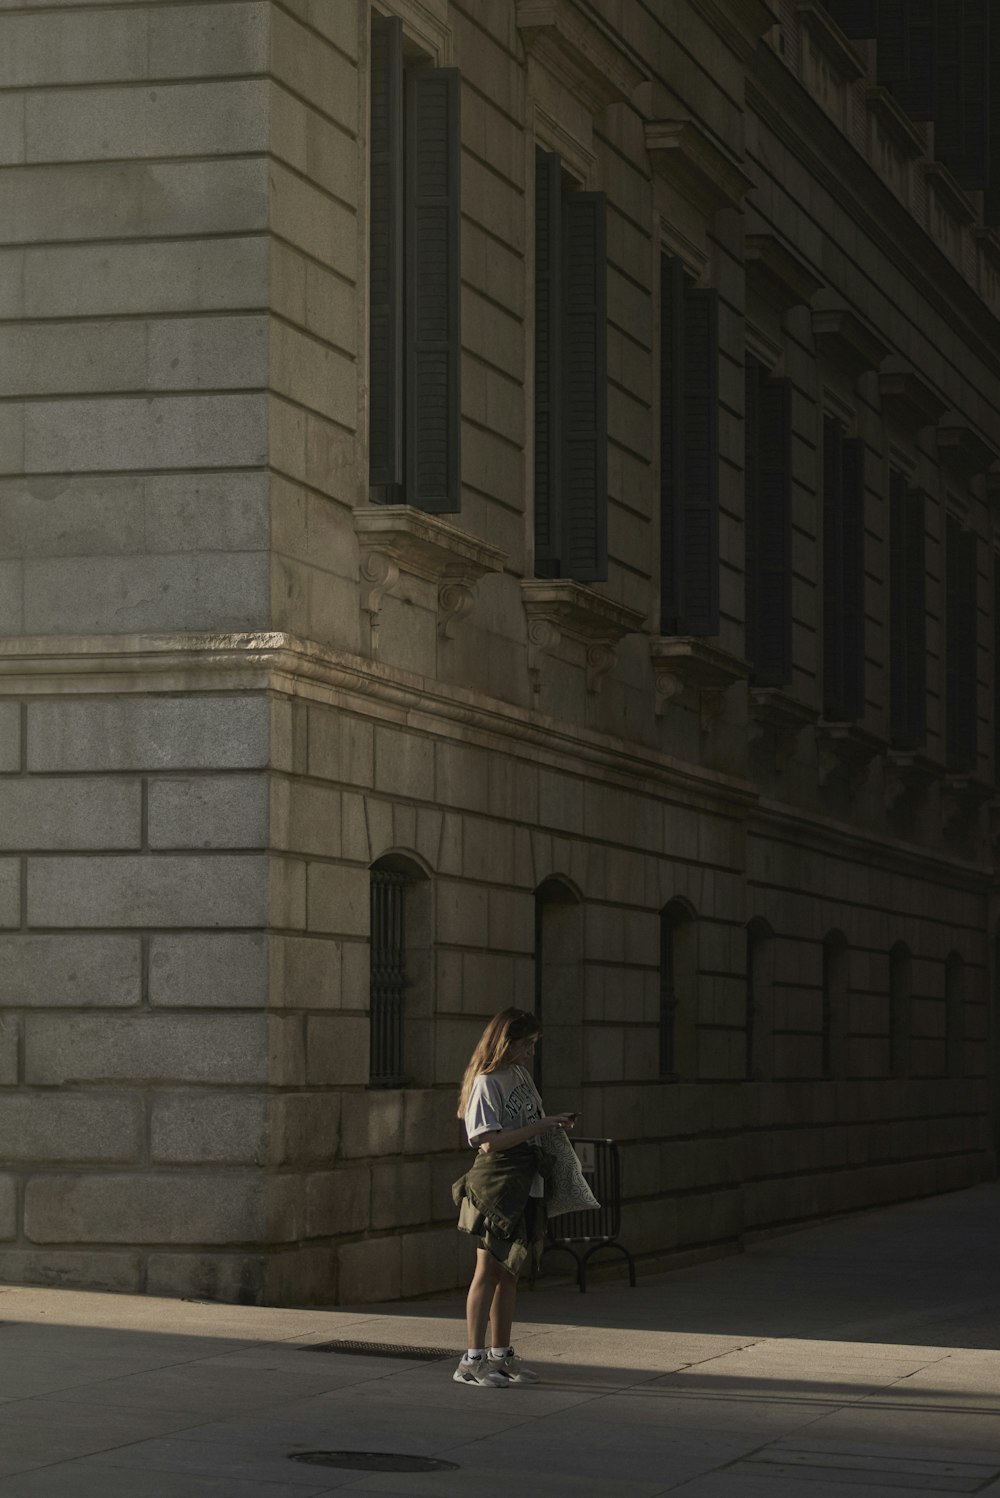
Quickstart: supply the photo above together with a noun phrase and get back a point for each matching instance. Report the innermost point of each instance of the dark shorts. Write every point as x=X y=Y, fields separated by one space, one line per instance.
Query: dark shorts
x=501 y=1248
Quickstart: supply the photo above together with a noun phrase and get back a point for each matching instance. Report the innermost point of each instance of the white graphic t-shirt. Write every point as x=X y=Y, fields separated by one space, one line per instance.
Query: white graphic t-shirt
x=503 y=1100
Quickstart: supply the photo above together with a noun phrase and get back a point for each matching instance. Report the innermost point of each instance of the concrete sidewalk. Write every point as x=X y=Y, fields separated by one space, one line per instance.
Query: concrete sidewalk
x=854 y=1359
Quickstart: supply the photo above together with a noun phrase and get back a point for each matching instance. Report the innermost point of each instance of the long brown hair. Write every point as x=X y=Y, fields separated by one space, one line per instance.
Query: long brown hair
x=505 y=1030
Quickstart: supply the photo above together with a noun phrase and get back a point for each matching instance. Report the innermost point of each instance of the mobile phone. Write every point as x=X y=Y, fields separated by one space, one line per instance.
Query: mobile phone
x=572 y=1117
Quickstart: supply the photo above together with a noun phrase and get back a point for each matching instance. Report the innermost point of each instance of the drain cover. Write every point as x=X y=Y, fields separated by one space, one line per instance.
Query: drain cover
x=374 y=1461
x=383 y=1350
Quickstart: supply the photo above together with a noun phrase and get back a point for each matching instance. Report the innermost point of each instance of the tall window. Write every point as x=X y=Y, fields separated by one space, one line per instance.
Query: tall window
x=689 y=454
x=835 y=999
x=678 y=970
x=571 y=377
x=843 y=574
x=900 y=993
x=768 y=530
x=960 y=648
x=907 y=615
x=388 y=975
x=414 y=340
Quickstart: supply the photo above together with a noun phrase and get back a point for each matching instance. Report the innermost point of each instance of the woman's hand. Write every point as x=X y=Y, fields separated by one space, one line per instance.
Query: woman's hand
x=556 y=1121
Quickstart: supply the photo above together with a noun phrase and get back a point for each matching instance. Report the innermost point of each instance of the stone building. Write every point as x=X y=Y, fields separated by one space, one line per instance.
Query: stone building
x=496 y=504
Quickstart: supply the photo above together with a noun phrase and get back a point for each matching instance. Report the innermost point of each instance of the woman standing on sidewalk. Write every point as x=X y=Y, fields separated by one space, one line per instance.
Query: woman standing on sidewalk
x=501 y=1199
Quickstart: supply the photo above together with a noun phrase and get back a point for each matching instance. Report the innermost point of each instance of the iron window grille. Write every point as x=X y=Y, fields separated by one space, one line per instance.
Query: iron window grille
x=388 y=976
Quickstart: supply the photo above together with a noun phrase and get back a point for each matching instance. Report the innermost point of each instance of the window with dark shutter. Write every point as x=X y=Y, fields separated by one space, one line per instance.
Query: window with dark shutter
x=907 y=616
x=843 y=574
x=906 y=54
x=414 y=340
x=960 y=648
x=571 y=377
x=689 y=454
x=768 y=527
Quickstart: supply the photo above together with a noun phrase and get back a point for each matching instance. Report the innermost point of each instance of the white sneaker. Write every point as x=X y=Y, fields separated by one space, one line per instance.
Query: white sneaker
x=481 y=1371
x=516 y=1371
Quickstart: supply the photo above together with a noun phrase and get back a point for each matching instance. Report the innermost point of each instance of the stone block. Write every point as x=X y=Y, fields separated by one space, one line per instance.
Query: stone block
x=10 y=1036
x=404 y=764
x=306 y=371
x=560 y=801
x=10 y=892
x=371 y=1124
x=306 y=217
x=462 y=914
x=148 y=733
x=51 y=1130
x=217 y=811
x=11 y=428
x=198 y=1128
x=432 y=1262
x=401 y=1193
x=10 y=733
x=49 y=971
x=144 y=1207
x=210 y=353
x=159 y=431
x=208 y=42
x=338 y=899
x=178 y=276
x=337 y=1050
x=99 y=594
x=286 y=1050
x=67 y=47
x=429 y=1120
x=49 y=358
x=303 y=1128
x=314 y=70
x=39 y=812
x=511 y=920
x=117 y=1273
x=305 y=972
x=211 y=890
x=145 y=1048
x=356 y=974
x=12 y=108
x=8 y=1207
x=235 y=1278
x=369 y=1270
x=462 y=776
x=12 y=598
x=306 y=818
x=133 y=200
x=338 y=1202
x=172 y=119
x=224 y=971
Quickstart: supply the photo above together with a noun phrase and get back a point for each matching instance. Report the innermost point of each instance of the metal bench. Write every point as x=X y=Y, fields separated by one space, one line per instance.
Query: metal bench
x=583 y=1233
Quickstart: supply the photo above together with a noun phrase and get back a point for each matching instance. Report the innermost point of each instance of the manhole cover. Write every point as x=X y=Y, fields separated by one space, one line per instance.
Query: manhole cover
x=374 y=1461
x=383 y=1350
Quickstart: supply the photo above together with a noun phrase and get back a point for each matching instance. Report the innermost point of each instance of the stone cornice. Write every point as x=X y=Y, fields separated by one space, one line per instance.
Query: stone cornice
x=896 y=122
x=740 y=23
x=700 y=170
x=949 y=192
x=830 y=39
x=272 y=661
x=786 y=108
x=577 y=51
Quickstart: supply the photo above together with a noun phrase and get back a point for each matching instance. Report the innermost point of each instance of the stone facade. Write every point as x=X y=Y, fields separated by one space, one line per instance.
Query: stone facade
x=231 y=684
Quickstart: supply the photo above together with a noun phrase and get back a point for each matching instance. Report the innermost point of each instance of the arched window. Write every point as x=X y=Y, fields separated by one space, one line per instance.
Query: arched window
x=559 y=992
x=400 y=1019
x=678 y=988
x=836 y=997
x=900 y=994
x=759 y=1008
x=954 y=1015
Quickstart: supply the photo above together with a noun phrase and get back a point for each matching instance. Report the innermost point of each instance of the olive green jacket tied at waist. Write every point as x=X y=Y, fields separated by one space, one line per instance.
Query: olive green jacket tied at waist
x=493 y=1199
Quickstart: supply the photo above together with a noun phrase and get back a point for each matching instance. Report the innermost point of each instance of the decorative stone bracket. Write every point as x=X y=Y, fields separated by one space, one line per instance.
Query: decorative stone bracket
x=845 y=751
x=780 y=276
x=908 y=775
x=907 y=397
x=777 y=712
x=691 y=162
x=578 y=52
x=395 y=540
x=557 y=607
x=846 y=339
x=686 y=664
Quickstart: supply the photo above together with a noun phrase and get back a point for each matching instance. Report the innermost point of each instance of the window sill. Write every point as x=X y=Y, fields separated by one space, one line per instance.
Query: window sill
x=908 y=776
x=559 y=607
x=687 y=664
x=777 y=712
x=399 y=540
x=845 y=751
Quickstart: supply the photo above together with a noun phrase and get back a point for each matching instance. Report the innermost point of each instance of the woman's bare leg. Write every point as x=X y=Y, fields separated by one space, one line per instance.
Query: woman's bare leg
x=502 y=1309
x=482 y=1293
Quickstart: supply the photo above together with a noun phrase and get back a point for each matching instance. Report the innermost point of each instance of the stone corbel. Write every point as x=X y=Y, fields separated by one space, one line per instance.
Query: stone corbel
x=845 y=752
x=692 y=163
x=846 y=339
x=559 y=608
x=776 y=712
x=907 y=777
x=685 y=664
x=580 y=54
x=396 y=540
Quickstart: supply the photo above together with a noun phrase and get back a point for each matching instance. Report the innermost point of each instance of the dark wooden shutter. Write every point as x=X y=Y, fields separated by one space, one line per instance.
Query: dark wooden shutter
x=548 y=363
x=432 y=290
x=753 y=379
x=843 y=574
x=833 y=643
x=773 y=661
x=856 y=18
x=585 y=463
x=700 y=490
x=671 y=443
x=385 y=432
x=960 y=648
x=853 y=604
x=907 y=616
